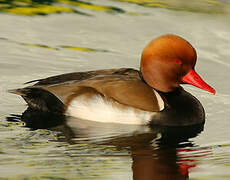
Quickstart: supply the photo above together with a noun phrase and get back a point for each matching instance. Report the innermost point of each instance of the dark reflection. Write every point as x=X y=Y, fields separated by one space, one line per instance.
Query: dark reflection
x=157 y=164
x=154 y=150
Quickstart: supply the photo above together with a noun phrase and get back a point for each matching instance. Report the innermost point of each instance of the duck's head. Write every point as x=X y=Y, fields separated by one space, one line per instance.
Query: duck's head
x=169 y=61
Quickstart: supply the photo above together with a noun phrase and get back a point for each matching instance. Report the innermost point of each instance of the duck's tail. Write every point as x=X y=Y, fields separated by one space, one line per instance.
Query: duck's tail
x=14 y=91
x=40 y=99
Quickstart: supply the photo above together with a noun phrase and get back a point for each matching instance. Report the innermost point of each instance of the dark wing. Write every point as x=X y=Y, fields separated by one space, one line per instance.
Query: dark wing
x=79 y=76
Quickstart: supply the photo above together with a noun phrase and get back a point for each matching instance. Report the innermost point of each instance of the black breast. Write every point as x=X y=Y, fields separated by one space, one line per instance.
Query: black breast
x=183 y=110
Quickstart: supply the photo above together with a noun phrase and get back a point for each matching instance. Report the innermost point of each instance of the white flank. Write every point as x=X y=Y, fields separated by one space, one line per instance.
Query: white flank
x=160 y=101
x=96 y=108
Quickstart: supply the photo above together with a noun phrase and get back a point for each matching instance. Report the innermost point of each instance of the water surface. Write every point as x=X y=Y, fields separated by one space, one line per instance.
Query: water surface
x=44 y=38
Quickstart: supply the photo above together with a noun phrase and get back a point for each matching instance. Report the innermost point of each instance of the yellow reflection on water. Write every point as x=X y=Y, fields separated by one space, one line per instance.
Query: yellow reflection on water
x=58 y=47
x=37 y=10
x=37 y=45
x=39 y=7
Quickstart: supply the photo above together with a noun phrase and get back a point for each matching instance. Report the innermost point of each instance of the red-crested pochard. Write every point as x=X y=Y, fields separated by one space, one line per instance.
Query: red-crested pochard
x=152 y=95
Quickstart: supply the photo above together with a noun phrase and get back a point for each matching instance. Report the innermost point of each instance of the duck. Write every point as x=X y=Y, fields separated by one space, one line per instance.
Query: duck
x=152 y=95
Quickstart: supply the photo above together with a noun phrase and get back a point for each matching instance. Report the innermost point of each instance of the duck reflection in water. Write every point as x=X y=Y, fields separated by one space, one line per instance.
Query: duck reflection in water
x=154 y=150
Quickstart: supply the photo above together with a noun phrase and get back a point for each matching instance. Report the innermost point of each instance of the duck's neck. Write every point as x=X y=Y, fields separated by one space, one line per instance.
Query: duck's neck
x=175 y=91
x=141 y=76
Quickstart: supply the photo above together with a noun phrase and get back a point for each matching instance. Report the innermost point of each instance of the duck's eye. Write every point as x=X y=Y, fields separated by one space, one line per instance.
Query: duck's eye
x=178 y=61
